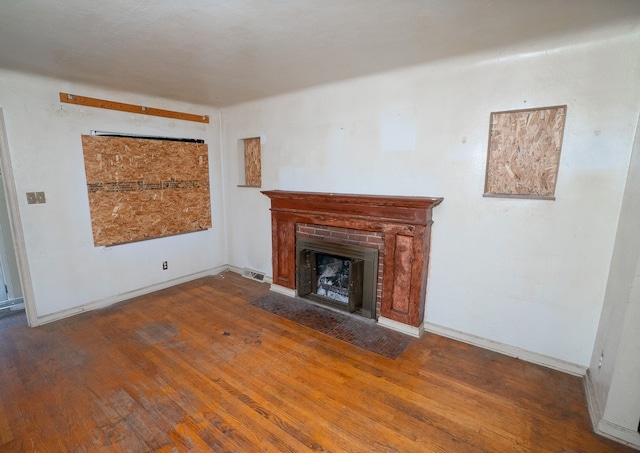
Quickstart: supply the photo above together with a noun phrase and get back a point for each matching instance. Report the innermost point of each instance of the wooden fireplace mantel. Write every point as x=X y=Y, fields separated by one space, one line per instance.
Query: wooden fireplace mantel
x=404 y=221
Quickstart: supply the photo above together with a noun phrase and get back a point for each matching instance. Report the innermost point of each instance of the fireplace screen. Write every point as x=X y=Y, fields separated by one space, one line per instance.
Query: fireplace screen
x=339 y=275
x=331 y=279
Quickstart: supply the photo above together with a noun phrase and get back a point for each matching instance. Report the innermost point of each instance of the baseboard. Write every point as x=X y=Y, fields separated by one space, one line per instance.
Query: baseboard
x=282 y=290
x=603 y=427
x=619 y=434
x=400 y=327
x=512 y=351
x=12 y=302
x=595 y=414
x=102 y=303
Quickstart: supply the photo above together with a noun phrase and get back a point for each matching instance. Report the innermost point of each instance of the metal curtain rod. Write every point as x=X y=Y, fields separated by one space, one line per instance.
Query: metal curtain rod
x=148 y=137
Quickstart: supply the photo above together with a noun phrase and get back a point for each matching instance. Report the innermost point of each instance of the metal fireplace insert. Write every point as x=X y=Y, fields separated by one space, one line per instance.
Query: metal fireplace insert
x=338 y=275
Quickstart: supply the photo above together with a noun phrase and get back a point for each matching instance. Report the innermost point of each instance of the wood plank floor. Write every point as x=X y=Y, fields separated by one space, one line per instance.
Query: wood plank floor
x=196 y=368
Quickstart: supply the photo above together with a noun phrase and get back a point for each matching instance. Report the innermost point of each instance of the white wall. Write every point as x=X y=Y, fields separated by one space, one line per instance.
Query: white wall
x=614 y=371
x=526 y=273
x=66 y=270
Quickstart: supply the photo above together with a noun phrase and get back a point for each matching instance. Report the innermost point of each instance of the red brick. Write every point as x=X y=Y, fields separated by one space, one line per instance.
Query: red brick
x=357 y=237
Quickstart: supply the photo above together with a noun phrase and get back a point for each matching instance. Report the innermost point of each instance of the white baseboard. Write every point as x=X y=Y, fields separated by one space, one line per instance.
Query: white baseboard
x=282 y=290
x=400 y=327
x=603 y=427
x=618 y=433
x=595 y=414
x=12 y=302
x=102 y=303
x=512 y=351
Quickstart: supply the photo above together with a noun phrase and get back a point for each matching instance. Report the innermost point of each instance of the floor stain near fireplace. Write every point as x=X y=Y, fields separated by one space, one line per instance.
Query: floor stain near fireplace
x=156 y=332
x=342 y=326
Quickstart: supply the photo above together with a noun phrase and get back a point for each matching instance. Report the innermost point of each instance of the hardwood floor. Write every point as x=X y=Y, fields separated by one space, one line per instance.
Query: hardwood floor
x=196 y=368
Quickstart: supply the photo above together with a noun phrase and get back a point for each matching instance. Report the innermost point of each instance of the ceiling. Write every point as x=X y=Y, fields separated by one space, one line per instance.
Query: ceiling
x=222 y=52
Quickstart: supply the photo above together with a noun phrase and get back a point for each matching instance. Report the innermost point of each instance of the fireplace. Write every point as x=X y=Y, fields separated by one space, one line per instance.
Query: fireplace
x=338 y=275
x=403 y=224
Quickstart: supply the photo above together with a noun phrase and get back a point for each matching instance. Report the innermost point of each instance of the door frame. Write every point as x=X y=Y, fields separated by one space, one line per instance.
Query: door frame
x=15 y=222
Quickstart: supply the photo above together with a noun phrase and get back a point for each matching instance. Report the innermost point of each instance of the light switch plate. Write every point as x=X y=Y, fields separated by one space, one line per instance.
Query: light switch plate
x=40 y=198
x=31 y=198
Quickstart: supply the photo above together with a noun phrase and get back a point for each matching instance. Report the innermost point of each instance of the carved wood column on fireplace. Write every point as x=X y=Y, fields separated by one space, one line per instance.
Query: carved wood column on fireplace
x=404 y=221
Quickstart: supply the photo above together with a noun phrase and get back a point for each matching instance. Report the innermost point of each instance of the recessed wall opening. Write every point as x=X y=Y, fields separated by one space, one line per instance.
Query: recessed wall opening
x=249 y=162
x=338 y=275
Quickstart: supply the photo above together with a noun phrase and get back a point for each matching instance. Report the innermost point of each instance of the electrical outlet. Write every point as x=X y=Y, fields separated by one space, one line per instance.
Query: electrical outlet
x=165 y=265
x=36 y=198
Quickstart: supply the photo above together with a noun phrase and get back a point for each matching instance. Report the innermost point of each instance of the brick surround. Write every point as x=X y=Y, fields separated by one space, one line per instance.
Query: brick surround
x=348 y=236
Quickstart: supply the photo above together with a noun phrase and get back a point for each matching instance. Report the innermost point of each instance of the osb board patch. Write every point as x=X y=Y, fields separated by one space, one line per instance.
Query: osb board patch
x=253 y=175
x=143 y=189
x=524 y=152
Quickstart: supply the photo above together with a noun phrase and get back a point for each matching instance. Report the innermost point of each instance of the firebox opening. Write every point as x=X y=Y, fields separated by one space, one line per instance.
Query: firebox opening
x=338 y=275
x=332 y=274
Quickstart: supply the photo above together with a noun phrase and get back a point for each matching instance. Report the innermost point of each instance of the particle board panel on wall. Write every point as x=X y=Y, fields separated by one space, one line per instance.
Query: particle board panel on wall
x=143 y=189
x=252 y=162
x=524 y=152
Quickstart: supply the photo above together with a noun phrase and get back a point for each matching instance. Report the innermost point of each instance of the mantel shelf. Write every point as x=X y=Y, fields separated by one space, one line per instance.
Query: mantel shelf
x=404 y=221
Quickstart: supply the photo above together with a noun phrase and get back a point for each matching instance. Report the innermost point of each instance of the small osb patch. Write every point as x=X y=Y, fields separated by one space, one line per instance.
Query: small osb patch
x=252 y=162
x=524 y=152
x=142 y=189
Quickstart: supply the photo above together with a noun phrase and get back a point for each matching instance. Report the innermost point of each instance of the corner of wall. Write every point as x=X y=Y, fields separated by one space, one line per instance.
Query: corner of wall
x=614 y=358
x=223 y=194
x=603 y=427
x=15 y=220
x=595 y=414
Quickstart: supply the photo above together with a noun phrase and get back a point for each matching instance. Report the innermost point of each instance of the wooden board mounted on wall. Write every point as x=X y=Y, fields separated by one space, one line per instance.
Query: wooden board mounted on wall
x=524 y=153
x=252 y=162
x=143 y=189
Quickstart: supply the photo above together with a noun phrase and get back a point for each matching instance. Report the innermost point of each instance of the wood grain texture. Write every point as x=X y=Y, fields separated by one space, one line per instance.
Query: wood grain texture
x=195 y=368
x=353 y=207
x=131 y=108
x=142 y=189
x=283 y=235
x=401 y=262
